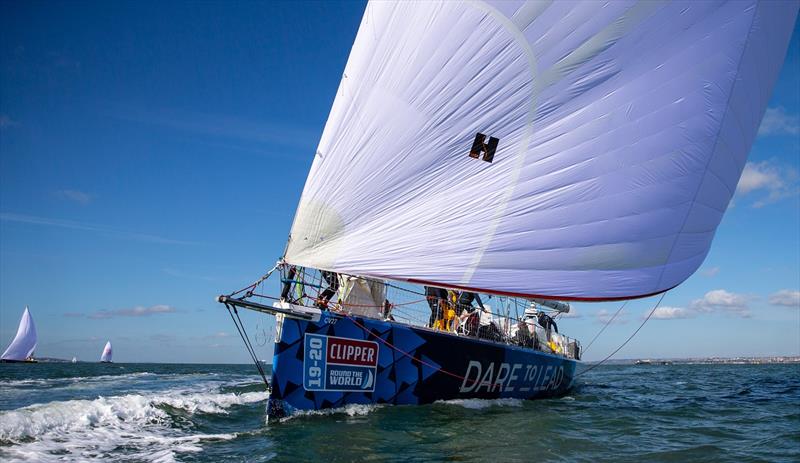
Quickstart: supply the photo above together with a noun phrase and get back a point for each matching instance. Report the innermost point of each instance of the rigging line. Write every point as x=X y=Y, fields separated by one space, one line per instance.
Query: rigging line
x=247 y=344
x=423 y=362
x=627 y=340
x=252 y=349
x=258 y=282
x=608 y=322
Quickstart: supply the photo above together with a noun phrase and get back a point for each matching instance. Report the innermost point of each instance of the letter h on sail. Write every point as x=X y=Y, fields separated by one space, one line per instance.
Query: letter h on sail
x=480 y=146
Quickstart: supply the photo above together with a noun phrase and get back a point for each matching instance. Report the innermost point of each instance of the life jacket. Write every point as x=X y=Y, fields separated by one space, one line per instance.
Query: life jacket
x=448 y=313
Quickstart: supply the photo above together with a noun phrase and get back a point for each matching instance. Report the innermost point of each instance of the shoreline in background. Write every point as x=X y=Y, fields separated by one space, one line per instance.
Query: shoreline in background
x=777 y=359
x=744 y=360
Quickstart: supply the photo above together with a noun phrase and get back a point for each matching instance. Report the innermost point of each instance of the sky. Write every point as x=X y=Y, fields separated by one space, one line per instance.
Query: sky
x=152 y=156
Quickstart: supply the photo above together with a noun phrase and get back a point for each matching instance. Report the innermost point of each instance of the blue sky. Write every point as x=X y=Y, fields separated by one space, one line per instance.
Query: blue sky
x=137 y=137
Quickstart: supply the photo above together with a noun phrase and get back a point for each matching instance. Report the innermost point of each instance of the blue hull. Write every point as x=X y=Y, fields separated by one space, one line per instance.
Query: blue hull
x=342 y=360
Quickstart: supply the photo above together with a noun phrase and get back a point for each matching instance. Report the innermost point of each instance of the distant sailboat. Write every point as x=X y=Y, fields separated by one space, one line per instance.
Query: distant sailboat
x=74 y=360
x=107 y=351
x=24 y=343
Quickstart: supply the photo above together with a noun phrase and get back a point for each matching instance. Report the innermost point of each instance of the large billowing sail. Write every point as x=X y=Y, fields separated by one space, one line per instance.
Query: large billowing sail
x=24 y=342
x=107 y=352
x=573 y=150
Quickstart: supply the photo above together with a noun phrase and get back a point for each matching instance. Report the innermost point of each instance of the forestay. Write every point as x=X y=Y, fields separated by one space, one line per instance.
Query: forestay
x=607 y=139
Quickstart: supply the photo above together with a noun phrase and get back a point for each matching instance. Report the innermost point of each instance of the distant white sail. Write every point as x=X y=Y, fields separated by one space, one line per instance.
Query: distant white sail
x=615 y=135
x=74 y=360
x=107 y=352
x=24 y=342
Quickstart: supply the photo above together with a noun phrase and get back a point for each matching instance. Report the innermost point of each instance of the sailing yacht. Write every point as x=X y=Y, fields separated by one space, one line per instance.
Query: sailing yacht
x=24 y=343
x=533 y=152
x=105 y=357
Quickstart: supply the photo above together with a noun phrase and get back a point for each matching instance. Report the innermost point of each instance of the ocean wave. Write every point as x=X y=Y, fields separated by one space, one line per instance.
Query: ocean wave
x=36 y=420
x=117 y=384
x=478 y=404
x=349 y=410
x=89 y=429
x=73 y=379
x=209 y=402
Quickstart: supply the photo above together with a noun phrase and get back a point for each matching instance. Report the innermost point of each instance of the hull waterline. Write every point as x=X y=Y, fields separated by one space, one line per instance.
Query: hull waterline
x=340 y=360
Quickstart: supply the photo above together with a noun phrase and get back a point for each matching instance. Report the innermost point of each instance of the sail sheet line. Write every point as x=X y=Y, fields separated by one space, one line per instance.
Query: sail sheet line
x=627 y=340
x=607 y=323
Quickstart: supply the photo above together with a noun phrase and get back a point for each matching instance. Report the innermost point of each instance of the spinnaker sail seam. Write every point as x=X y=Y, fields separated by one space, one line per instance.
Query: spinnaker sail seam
x=601 y=41
x=700 y=182
x=516 y=169
x=528 y=12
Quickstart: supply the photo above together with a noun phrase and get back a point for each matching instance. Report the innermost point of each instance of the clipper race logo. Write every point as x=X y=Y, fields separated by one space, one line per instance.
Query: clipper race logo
x=339 y=364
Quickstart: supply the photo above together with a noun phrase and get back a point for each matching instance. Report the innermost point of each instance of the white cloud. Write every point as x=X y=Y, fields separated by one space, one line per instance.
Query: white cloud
x=758 y=175
x=710 y=271
x=785 y=297
x=29 y=219
x=180 y=274
x=220 y=125
x=573 y=313
x=163 y=338
x=777 y=122
x=671 y=313
x=137 y=311
x=776 y=181
x=722 y=301
x=604 y=316
x=6 y=122
x=75 y=196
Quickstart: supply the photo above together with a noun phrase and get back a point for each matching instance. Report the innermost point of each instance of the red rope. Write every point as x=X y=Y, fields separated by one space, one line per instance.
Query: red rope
x=437 y=368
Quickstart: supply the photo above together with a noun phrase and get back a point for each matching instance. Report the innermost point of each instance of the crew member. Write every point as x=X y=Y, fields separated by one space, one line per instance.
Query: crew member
x=332 y=279
x=287 y=283
x=468 y=313
x=387 y=310
x=547 y=322
x=465 y=301
x=436 y=299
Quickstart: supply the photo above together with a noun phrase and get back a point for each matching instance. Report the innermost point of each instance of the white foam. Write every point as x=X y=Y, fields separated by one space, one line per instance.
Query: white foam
x=91 y=429
x=210 y=402
x=74 y=379
x=478 y=404
x=349 y=410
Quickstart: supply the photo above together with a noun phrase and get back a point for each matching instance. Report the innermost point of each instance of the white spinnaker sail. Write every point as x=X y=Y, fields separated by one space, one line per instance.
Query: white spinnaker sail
x=24 y=342
x=107 y=352
x=623 y=128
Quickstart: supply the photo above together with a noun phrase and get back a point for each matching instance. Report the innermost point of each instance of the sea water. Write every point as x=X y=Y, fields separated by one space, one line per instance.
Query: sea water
x=152 y=412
